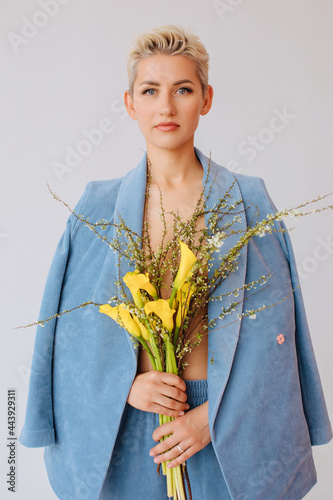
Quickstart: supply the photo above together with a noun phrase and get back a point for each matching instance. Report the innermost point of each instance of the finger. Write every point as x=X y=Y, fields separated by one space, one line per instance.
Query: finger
x=163 y=410
x=164 y=430
x=182 y=457
x=171 y=454
x=174 y=393
x=174 y=380
x=172 y=404
x=167 y=444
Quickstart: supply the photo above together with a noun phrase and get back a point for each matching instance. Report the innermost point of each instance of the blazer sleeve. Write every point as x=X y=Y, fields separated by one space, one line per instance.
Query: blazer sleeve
x=38 y=429
x=314 y=405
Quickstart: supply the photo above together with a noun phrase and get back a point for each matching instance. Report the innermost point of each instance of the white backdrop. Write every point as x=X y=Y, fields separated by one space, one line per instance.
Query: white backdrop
x=63 y=65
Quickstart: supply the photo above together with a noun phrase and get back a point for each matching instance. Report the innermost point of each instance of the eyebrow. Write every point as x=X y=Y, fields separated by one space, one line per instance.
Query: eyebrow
x=150 y=82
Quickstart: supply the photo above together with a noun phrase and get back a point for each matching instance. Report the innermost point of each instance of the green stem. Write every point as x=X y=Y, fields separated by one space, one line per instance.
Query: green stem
x=175 y=486
x=154 y=348
x=179 y=483
x=171 y=358
x=172 y=296
x=147 y=349
x=175 y=339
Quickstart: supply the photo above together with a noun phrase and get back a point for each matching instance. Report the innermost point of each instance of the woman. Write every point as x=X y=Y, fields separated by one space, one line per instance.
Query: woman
x=249 y=405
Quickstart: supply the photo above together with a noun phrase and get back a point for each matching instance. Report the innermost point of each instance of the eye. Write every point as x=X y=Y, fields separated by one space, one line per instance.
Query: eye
x=148 y=91
x=184 y=90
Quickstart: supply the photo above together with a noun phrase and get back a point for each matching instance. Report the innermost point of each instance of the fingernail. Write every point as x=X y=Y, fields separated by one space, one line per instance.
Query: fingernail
x=181 y=413
x=187 y=406
x=156 y=460
x=151 y=453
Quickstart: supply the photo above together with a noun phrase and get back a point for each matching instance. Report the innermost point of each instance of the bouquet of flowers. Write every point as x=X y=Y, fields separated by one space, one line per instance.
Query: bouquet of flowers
x=161 y=325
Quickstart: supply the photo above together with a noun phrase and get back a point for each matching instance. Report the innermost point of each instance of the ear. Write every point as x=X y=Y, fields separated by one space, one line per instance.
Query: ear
x=129 y=105
x=208 y=101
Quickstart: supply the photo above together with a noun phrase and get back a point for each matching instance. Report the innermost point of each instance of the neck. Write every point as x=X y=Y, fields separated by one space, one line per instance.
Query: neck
x=174 y=167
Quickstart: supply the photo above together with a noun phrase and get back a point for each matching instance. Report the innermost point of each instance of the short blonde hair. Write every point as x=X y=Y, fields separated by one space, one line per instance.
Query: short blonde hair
x=171 y=40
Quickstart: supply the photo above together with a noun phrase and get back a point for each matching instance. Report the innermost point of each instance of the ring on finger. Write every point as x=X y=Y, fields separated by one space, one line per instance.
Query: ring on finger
x=182 y=451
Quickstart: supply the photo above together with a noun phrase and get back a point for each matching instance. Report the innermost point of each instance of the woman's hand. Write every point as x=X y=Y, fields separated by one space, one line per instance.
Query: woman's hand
x=159 y=392
x=190 y=431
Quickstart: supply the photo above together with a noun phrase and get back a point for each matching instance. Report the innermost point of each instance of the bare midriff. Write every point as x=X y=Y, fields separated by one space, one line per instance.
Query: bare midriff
x=184 y=202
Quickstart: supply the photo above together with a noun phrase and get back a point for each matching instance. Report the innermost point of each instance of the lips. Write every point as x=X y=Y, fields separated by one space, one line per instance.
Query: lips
x=167 y=126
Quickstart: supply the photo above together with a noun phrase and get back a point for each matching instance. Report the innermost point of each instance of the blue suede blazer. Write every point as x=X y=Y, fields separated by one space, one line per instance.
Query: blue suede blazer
x=266 y=404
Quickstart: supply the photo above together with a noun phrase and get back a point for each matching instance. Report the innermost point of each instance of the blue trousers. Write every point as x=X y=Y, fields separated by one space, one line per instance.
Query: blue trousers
x=132 y=472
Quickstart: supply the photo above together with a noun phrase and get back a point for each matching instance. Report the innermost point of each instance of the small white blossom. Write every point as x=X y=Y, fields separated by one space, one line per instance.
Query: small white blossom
x=216 y=241
x=253 y=316
x=295 y=213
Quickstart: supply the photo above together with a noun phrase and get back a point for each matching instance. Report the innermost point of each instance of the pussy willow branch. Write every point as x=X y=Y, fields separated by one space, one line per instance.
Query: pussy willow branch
x=247 y=313
x=200 y=317
x=57 y=315
x=234 y=253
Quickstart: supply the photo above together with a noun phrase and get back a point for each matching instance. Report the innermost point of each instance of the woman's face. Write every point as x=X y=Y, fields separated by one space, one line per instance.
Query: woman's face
x=167 y=90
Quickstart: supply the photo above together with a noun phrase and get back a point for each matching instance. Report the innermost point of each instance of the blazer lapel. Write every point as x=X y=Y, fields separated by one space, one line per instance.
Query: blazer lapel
x=223 y=337
x=130 y=208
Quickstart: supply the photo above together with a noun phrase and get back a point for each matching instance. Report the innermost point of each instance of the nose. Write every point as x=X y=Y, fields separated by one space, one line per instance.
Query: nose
x=167 y=105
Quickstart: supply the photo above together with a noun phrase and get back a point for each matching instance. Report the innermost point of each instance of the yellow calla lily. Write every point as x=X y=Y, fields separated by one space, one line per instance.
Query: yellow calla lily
x=162 y=309
x=187 y=259
x=143 y=329
x=184 y=297
x=123 y=317
x=136 y=281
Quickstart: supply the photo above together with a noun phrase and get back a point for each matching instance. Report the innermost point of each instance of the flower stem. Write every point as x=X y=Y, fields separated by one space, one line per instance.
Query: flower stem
x=158 y=363
x=148 y=351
